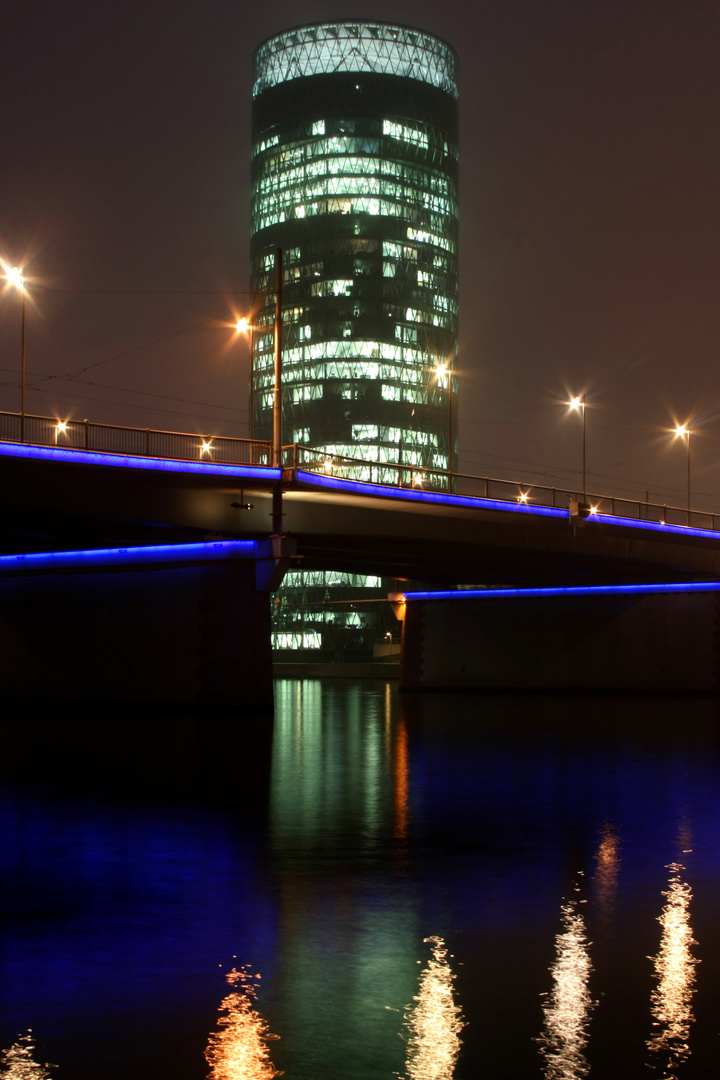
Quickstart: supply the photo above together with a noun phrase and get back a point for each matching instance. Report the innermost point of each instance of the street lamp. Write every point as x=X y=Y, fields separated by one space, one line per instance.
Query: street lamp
x=244 y=324
x=14 y=276
x=579 y=403
x=443 y=369
x=683 y=432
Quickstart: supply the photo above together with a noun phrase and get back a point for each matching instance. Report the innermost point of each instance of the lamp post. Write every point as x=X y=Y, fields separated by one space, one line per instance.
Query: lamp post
x=579 y=403
x=444 y=369
x=14 y=276
x=243 y=326
x=276 y=453
x=683 y=432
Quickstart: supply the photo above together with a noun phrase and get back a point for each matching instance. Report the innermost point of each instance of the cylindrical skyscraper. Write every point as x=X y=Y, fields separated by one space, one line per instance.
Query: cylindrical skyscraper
x=355 y=179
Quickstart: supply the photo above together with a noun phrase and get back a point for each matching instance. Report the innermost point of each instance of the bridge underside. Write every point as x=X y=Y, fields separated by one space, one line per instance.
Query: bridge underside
x=57 y=504
x=198 y=633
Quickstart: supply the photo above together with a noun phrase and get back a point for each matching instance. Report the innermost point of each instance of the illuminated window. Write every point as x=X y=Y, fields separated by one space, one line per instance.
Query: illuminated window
x=406 y=132
x=363 y=432
x=304 y=640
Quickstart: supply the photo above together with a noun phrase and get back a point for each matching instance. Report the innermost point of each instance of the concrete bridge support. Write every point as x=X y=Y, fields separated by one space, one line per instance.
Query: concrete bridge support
x=643 y=638
x=178 y=625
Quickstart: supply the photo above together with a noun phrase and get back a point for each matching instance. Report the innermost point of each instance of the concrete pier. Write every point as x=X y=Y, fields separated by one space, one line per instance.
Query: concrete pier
x=578 y=640
x=184 y=624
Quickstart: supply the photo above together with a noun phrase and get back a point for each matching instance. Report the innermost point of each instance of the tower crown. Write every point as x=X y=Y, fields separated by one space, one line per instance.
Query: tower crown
x=354 y=47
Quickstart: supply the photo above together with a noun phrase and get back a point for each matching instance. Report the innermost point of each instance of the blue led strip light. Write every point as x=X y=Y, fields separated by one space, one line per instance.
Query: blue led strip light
x=127 y=461
x=205 y=551
x=357 y=487
x=653 y=526
x=572 y=590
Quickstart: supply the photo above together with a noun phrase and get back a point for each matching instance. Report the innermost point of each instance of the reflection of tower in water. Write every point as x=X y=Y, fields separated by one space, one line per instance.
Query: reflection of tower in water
x=674 y=967
x=239 y=1050
x=434 y=1022
x=567 y=1009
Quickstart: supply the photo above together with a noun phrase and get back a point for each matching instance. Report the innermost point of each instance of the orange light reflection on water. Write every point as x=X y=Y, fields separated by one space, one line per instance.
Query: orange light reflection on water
x=18 y=1061
x=674 y=968
x=239 y=1050
x=567 y=1010
x=607 y=868
x=400 y=778
x=434 y=1022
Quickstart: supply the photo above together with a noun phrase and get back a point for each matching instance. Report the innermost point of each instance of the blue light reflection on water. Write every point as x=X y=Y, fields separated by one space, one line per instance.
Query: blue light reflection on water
x=470 y=818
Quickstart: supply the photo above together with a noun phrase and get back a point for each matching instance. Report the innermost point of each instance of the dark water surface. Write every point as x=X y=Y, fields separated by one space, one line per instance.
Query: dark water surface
x=562 y=854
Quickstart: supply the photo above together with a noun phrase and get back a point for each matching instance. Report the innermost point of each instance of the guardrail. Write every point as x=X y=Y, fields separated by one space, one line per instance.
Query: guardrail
x=185 y=446
x=487 y=487
x=143 y=442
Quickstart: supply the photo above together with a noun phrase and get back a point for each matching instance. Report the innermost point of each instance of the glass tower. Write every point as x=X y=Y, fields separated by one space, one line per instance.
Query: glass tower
x=355 y=180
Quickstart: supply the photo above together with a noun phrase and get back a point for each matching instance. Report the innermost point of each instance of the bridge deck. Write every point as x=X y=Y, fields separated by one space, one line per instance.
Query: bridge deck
x=77 y=499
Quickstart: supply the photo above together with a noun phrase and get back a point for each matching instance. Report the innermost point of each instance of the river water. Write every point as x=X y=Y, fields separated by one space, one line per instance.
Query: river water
x=433 y=886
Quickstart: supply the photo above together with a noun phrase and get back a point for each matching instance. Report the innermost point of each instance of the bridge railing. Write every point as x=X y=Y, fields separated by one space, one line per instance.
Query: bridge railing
x=143 y=442
x=487 y=487
x=186 y=446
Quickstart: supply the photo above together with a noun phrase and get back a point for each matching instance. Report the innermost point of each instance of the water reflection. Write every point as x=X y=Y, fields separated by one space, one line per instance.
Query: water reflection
x=400 y=778
x=239 y=1050
x=607 y=867
x=434 y=1022
x=18 y=1062
x=674 y=968
x=567 y=1009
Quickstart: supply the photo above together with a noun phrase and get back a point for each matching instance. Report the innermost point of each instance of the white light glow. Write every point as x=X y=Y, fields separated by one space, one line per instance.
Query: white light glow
x=674 y=969
x=14 y=276
x=60 y=429
x=568 y=1006
x=434 y=1022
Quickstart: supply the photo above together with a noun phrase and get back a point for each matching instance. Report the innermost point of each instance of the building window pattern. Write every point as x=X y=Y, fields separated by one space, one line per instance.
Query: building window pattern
x=338 y=183
x=323 y=609
x=377 y=48
x=355 y=180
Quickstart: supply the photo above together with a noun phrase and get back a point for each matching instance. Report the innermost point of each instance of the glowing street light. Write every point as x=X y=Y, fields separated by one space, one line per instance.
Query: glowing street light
x=579 y=404
x=244 y=324
x=15 y=278
x=683 y=432
x=443 y=370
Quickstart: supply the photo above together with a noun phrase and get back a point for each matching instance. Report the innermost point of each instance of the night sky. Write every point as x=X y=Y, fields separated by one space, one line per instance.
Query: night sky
x=590 y=228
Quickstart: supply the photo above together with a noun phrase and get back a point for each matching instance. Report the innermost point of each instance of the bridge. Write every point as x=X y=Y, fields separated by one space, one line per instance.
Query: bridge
x=172 y=541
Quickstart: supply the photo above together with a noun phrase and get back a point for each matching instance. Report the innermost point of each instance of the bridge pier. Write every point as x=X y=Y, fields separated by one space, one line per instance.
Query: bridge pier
x=623 y=638
x=180 y=625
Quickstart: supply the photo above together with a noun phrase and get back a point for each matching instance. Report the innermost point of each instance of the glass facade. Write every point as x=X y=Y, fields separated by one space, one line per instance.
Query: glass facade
x=355 y=180
x=329 y=615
